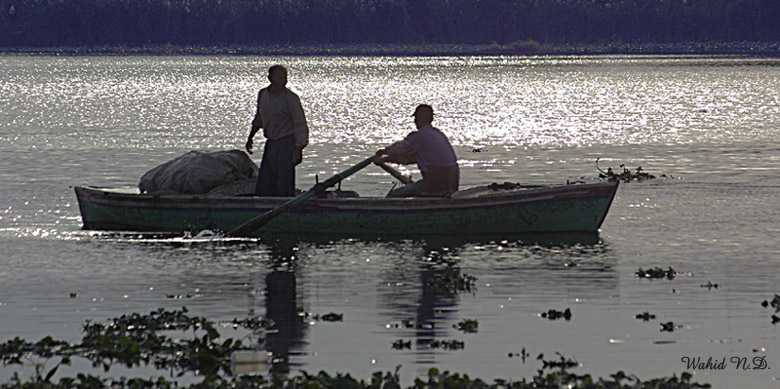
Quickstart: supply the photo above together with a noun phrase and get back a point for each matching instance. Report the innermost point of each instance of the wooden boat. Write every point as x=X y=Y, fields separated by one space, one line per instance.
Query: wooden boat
x=485 y=210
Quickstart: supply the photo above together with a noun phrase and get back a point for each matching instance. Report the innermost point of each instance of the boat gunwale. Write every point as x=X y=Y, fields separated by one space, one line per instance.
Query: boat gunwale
x=180 y=201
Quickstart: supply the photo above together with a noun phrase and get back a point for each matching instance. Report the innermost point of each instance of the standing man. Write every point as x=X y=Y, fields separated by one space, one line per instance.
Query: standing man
x=431 y=150
x=280 y=115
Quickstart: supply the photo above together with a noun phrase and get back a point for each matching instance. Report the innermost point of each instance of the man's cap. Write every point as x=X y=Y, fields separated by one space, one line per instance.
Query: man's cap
x=423 y=109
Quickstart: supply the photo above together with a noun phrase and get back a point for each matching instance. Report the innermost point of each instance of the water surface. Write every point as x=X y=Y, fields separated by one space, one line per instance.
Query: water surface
x=709 y=124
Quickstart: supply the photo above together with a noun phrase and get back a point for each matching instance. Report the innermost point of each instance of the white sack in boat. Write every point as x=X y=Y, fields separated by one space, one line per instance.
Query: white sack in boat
x=198 y=172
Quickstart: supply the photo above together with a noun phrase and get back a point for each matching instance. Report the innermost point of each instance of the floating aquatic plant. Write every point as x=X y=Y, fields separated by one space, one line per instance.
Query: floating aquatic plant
x=625 y=175
x=709 y=285
x=401 y=344
x=656 y=273
x=452 y=344
x=522 y=354
x=450 y=281
x=669 y=327
x=123 y=339
x=552 y=314
x=645 y=316
x=775 y=303
x=333 y=317
x=136 y=339
x=389 y=380
x=562 y=362
x=467 y=325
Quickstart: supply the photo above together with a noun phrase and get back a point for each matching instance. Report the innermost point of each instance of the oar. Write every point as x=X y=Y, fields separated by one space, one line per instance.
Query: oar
x=255 y=223
x=395 y=173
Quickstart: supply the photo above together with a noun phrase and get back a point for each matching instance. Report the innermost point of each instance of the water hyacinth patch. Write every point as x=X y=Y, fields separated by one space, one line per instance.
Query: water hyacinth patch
x=669 y=326
x=775 y=303
x=656 y=273
x=450 y=281
x=401 y=344
x=452 y=344
x=553 y=314
x=626 y=175
x=134 y=339
x=468 y=325
x=709 y=285
x=645 y=316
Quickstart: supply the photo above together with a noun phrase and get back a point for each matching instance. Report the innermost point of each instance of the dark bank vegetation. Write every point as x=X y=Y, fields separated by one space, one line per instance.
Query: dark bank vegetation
x=524 y=26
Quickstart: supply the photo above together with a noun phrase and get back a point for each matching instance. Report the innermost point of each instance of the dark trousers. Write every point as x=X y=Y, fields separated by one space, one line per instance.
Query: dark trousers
x=277 y=172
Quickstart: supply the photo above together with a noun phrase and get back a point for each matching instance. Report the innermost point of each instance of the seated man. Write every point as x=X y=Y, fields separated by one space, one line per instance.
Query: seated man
x=430 y=149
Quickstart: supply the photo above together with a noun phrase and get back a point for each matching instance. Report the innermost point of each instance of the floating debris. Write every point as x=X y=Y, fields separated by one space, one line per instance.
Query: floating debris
x=775 y=319
x=452 y=344
x=656 y=273
x=73 y=295
x=401 y=344
x=477 y=149
x=468 y=325
x=552 y=314
x=709 y=285
x=645 y=316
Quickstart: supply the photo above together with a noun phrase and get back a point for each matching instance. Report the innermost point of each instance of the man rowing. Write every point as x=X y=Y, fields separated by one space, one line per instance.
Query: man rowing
x=430 y=149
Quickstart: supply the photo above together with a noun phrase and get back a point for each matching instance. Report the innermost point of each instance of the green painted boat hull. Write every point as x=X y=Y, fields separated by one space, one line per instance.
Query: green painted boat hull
x=562 y=208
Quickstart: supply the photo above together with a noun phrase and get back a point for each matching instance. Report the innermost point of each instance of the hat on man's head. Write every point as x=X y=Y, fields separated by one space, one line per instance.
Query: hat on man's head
x=423 y=109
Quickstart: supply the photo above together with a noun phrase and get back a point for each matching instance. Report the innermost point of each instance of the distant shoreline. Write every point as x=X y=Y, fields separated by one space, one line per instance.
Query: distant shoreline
x=748 y=49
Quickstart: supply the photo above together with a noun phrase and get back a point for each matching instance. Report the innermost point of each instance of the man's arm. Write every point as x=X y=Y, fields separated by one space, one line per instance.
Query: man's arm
x=257 y=124
x=300 y=128
x=403 y=151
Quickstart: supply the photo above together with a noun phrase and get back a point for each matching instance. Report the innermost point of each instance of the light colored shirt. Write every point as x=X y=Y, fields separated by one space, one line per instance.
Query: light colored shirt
x=433 y=153
x=281 y=114
x=427 y=147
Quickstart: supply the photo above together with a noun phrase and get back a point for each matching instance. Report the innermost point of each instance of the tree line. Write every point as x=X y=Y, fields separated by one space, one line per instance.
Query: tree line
x=53 y=23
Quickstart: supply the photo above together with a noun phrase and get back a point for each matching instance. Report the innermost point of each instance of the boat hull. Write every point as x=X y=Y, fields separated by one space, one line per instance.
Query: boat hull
x=564 y=208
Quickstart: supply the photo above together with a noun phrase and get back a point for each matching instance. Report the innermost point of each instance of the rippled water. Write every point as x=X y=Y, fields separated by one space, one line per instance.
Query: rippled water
x=709 y=123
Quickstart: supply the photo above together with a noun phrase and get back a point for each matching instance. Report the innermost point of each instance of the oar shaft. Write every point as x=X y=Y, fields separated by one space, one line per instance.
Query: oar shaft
x=395 y=173
x=249 y=227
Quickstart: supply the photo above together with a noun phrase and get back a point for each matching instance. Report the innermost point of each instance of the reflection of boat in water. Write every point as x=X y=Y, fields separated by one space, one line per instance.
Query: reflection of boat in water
x=523 y=267
x=315 y=272
x=481 y=210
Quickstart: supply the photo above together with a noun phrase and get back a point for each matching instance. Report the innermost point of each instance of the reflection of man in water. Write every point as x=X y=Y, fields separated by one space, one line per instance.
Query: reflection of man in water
x=281 y=306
